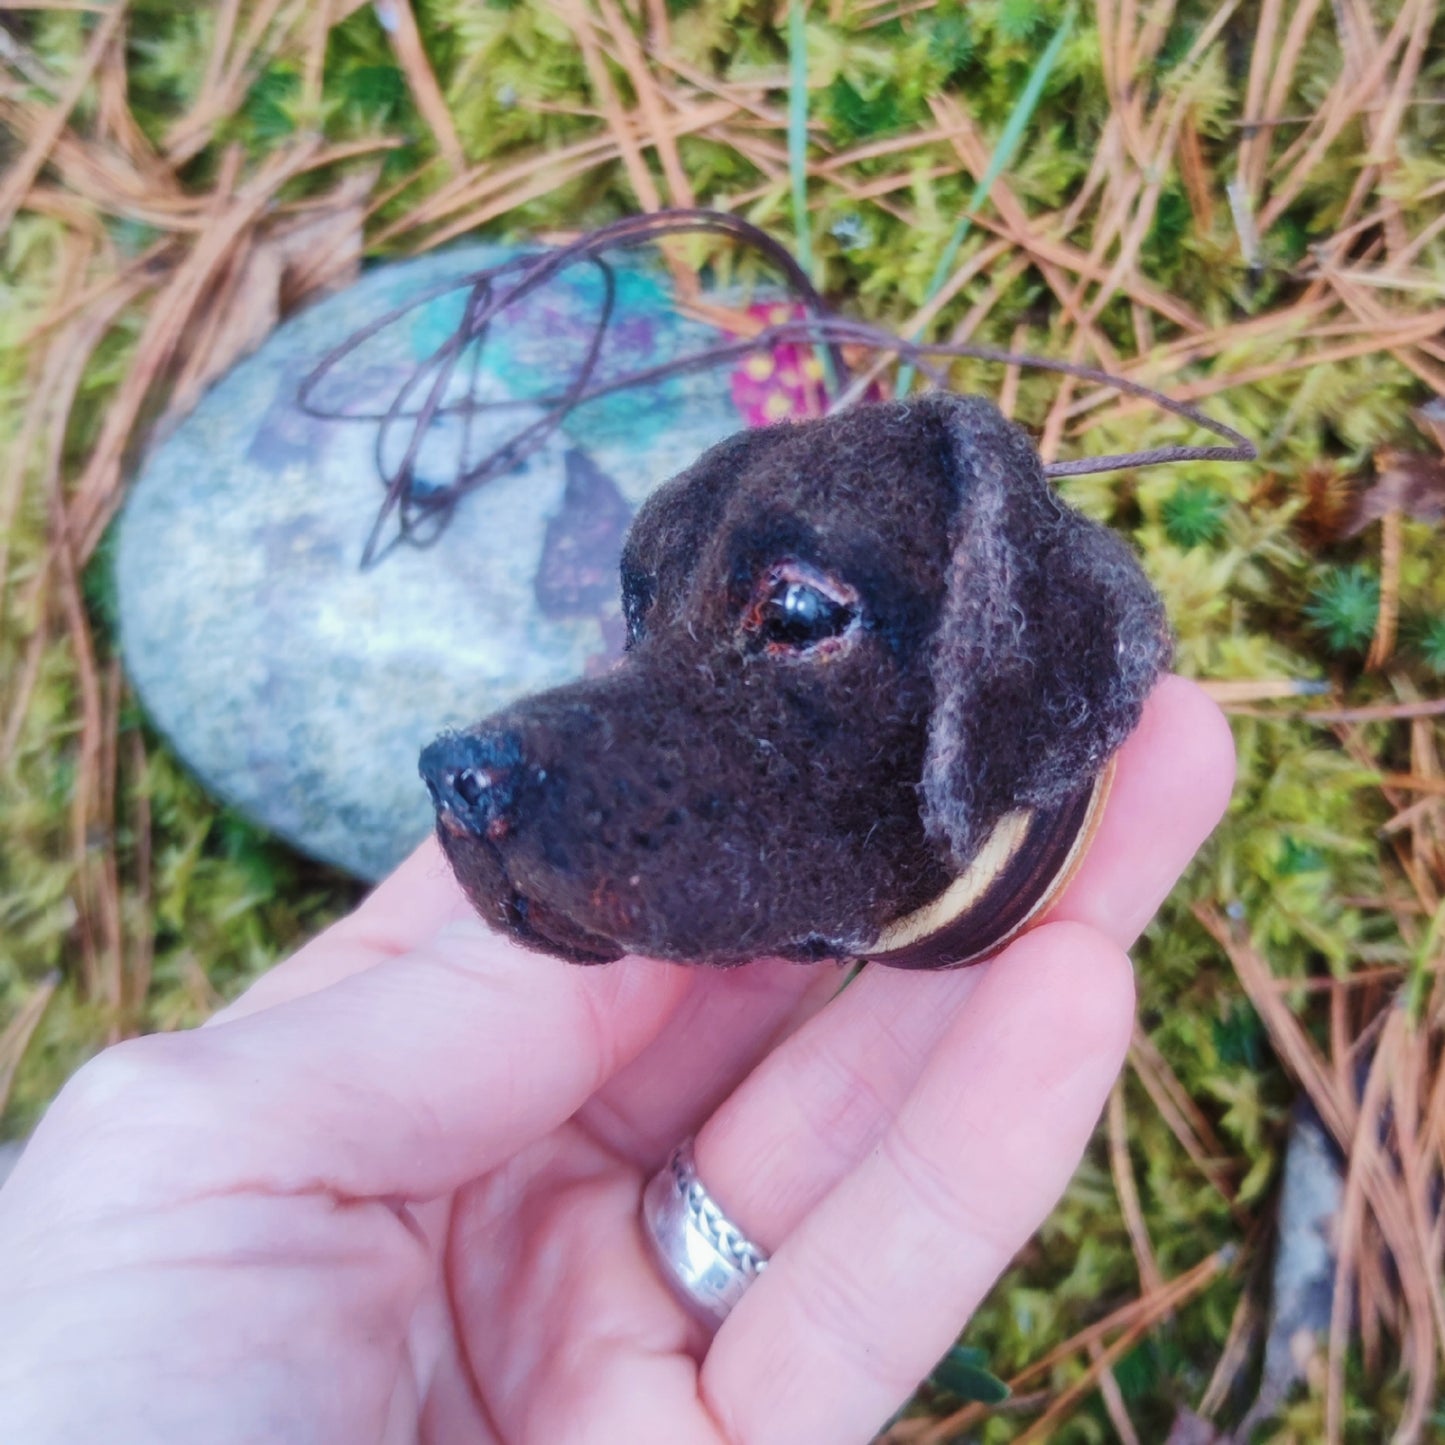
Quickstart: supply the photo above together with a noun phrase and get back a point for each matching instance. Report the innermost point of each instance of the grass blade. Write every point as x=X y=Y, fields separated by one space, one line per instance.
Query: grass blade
x=1003 y=153
x=798 y=130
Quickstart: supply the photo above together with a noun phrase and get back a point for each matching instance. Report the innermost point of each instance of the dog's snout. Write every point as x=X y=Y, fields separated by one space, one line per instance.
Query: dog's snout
x=472 y=779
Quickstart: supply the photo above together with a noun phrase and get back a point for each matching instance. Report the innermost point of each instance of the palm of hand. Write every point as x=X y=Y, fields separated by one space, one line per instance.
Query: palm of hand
x=392 y=1195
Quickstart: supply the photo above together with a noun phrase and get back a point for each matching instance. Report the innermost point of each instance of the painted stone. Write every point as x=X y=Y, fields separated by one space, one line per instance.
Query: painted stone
x=301 y=687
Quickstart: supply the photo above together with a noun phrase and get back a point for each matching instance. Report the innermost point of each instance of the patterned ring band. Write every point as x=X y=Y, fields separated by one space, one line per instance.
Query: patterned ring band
x=704 y=1256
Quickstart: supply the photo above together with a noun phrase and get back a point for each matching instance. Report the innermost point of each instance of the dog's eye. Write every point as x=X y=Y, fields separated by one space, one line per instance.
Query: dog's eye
x=798 y=616
x=798 y=608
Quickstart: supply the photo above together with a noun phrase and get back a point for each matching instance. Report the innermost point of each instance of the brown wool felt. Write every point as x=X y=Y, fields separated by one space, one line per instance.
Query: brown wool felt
x=714 y=798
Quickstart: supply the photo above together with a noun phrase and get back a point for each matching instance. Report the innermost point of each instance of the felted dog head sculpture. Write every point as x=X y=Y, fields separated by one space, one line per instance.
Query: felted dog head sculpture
x=876 y=672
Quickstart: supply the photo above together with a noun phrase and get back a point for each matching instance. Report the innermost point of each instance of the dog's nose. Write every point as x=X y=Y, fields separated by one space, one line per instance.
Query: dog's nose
x=473 y=778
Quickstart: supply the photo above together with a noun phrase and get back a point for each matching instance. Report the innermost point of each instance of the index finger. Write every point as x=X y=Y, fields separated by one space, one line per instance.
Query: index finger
x=872 y=1287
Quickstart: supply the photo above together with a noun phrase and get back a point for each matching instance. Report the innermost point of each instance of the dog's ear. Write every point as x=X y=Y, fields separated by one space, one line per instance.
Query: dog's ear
x=1049 y=638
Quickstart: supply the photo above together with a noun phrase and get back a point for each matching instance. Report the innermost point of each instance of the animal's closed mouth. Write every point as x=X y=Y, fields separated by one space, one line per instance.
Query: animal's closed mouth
x=532 y=922
x=452 y=824
x=527 y=919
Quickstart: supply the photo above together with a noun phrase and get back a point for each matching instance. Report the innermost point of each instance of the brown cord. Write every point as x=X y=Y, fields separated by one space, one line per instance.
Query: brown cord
x=422 y=516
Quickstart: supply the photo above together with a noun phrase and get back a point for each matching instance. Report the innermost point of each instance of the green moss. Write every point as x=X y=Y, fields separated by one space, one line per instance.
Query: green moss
x=1343 y=607
x=858 y=114
x=1432 y=645
x=1194 y=515
x=951 y=42
x=270 y=106
x=1018 y=20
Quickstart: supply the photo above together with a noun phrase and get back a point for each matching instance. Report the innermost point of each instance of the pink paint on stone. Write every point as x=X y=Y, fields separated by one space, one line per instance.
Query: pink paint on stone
x=784 y=384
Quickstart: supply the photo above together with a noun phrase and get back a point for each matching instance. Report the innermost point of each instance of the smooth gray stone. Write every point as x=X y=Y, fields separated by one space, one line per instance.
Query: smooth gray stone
x=299 y=688
x=1307 y=1253
x=1305 y=1263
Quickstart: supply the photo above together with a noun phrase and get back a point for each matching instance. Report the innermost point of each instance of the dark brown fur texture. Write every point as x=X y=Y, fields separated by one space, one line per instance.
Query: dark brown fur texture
x=854 y=644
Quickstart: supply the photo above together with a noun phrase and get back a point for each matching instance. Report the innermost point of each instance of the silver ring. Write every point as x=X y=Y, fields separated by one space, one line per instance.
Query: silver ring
x=706 y=1258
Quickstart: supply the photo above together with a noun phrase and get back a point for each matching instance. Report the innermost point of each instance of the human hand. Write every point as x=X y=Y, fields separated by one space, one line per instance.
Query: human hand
x=392 y=1193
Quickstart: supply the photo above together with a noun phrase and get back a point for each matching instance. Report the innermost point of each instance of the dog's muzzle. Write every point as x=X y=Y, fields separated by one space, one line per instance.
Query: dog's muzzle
x=1025 y=863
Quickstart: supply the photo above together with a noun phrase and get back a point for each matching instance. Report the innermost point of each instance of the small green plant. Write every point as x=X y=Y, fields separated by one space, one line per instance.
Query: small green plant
x=1432 y=645
x=951 y=41
x=862 y=114
x=963 y=1373
x=1194 y=515
x=1344 y=606
x=1296 y=857
x=271 y=104
x=1018 y=19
